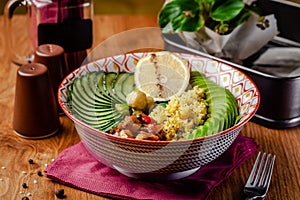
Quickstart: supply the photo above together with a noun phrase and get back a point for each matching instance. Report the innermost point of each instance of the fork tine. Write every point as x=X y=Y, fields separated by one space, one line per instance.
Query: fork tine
x=257 y=177
x=252 y=174
x=264 y=172
x=261 y=172
x=269 y=175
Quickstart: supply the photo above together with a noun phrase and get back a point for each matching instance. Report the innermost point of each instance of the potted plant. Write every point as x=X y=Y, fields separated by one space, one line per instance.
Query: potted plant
x=222 y=28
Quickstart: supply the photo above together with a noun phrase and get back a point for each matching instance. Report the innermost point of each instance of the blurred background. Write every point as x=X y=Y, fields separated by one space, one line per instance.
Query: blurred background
x=126 y=7
x=133 y=7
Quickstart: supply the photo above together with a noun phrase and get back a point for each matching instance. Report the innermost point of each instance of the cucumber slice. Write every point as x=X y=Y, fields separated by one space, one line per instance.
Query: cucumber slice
x=118 y=86
x=100 y=86
x=95 y=102
x=93 y=79
x=109 y=81
x=98 y=122
x=128 y=85
x=90 y=95
x=78 y=94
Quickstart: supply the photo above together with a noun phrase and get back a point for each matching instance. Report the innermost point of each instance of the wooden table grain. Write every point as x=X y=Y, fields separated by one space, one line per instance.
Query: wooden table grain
x=15 y=151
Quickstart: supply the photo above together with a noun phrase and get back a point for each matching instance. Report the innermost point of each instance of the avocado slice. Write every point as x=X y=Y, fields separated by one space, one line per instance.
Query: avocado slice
x=222 y=106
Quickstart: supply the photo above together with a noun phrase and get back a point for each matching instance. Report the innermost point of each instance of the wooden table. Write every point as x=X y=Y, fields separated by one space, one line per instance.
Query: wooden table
x=15 y=151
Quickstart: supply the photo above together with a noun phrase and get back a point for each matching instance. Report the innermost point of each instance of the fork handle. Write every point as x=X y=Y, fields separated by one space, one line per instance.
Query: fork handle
x=252 y=198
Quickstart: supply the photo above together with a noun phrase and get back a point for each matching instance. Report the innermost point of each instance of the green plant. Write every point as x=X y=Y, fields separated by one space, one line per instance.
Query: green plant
x=221 y=16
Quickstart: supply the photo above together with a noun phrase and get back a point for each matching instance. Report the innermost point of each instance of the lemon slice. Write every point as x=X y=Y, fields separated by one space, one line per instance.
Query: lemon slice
x=162 y=75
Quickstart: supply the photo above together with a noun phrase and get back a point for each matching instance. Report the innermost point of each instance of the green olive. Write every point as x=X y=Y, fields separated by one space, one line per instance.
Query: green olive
x=150 y=103
x=137 y=100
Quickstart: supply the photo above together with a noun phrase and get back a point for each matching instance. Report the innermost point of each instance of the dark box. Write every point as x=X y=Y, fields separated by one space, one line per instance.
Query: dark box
x=280 y=96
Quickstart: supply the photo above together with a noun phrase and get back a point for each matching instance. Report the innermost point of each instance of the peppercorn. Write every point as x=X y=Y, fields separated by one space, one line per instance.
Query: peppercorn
x=40 y=173
x=25 y=198
x=30 y=161
x=24 y=185
x=60 y=193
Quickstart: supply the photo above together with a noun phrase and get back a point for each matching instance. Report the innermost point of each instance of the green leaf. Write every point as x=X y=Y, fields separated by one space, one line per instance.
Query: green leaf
x=168 y=13
x=225 y=10
x=183 y=15
x=183 y=23
x=239 y=19
x=192 y=24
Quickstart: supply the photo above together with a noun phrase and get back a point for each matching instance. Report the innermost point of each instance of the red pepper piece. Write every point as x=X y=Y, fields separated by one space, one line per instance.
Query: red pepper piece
x=147 y=120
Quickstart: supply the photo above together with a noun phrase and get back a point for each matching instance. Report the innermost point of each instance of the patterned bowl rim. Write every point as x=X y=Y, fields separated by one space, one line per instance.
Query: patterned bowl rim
x=109 y=136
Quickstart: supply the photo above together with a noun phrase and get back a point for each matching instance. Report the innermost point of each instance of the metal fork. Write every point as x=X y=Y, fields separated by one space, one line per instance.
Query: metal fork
x=260 y=177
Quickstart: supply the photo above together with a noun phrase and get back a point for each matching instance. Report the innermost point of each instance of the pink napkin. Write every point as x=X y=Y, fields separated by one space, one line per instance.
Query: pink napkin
x=75 y=167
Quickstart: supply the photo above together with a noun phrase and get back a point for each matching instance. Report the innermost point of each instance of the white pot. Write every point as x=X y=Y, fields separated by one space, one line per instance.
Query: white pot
x=242 y=42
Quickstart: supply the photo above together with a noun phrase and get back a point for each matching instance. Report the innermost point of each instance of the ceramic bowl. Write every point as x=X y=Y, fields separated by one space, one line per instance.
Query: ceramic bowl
x=162 y=160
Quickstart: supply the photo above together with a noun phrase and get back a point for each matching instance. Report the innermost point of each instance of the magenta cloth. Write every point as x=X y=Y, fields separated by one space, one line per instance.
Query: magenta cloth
x=77 y=168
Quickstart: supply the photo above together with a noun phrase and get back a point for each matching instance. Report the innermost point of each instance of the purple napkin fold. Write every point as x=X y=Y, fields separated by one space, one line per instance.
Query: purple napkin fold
x=76 y=167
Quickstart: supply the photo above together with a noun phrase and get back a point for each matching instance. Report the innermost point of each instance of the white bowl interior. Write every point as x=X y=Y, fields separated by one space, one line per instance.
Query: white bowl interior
x=239 y=84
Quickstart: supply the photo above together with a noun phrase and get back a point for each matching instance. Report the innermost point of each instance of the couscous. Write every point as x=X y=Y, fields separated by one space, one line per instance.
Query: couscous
x=182 y=114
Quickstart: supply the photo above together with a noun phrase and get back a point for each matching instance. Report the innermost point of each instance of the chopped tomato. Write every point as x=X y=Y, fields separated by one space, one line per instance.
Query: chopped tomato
x=147 y=120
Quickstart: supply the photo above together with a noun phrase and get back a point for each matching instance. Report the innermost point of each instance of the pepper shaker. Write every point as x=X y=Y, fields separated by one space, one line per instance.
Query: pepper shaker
x=53 y=57
x=35 y=109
